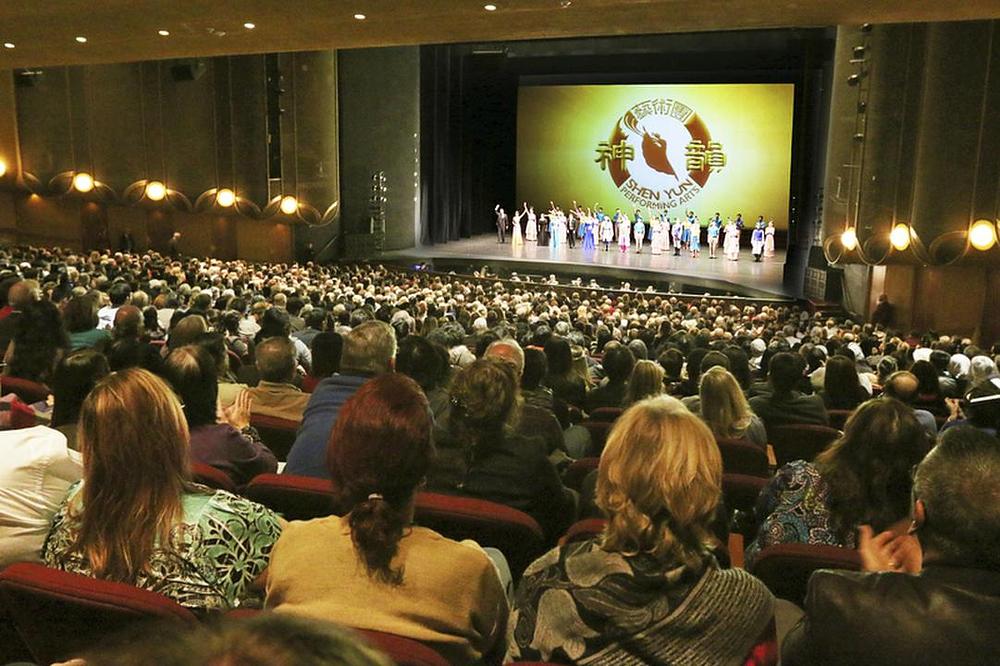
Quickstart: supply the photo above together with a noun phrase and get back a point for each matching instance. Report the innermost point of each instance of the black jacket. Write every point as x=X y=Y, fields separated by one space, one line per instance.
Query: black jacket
x=946 y=615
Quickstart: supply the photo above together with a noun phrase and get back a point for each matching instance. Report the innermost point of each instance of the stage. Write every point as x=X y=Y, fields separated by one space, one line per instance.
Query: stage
x=665 y=272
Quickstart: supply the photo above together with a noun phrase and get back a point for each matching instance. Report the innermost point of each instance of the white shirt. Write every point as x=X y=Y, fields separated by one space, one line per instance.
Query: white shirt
x=106 y=317
x=36 y=471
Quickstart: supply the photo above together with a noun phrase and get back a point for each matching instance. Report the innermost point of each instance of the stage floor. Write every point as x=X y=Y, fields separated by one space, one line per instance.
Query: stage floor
x=682 y=273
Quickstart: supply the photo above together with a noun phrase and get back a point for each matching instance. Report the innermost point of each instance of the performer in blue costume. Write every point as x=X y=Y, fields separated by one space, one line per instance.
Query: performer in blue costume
x=714 y=227
x=639 y=231
x=588 y=232
x=757 y=240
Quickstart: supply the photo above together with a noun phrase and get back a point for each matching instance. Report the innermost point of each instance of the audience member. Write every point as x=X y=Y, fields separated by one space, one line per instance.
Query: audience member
x=841 y=387
x=617 y=363
x=74 y=378
x=80 y=317
x=646 y=381
x=326 y=349
x=276 y=394
x=903 y=386
x=725 y=410
x=39 y=342
x=785 y=405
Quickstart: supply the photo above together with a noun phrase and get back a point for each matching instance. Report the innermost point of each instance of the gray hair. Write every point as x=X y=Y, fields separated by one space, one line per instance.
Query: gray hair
x=508 y=350
x=369 y=348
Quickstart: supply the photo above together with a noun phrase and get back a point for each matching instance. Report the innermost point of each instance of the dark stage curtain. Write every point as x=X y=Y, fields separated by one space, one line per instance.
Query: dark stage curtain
x=468 y=109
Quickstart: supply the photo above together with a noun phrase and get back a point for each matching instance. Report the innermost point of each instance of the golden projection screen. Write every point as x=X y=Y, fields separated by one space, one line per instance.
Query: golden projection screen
x=671 y=148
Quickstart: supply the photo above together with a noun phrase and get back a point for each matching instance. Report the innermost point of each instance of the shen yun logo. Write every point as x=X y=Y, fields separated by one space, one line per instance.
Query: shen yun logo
x=660 y=154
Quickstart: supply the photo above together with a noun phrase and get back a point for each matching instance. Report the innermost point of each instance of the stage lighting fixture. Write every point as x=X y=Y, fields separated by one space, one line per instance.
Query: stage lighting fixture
x=83 y=182
x=3 y=168
x=900 y=237
x=225 y=197
x=983 y=235
x=289 y=205
x=849 y=239
x=155 y=190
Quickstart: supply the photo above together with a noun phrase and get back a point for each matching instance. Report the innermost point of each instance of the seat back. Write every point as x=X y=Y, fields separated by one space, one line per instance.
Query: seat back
x=740 y=491
x=278 y=434
x=739 y=456
x=513 y=532
x=209 y=476
x=25 y=389
x=403 y=651
x=800 y=442
x=838 y=417
x=785 y=568
x=598 y=433
x=582 y=530
x=578 y=471
x=294 y=497
x=59 y=615
x=606 y=414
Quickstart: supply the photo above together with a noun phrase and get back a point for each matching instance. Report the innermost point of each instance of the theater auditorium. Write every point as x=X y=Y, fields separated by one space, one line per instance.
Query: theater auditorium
x=599 y=332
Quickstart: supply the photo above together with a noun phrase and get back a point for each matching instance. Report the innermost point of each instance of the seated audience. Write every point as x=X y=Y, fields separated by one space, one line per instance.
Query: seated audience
x=649 y=584
x=371 y=568
x=36 y=471
x=80 y=316
x=74 y=378
x=39 y=342
x=119 y=294
x=418 y=359
x=903 y=386
x=369 y=350
x=725 y=410
x=841 y=387
x=275 y=322
x=785 y=405
x=536 y=366
x=929 y=394
x=326 y=349
x=275 y=394
x=932 y=599
x=566 y=384
x=136 y=517
x=863 y=478
x=233 y=446
x=646 y=381
x=482 y=455
x=618 y=362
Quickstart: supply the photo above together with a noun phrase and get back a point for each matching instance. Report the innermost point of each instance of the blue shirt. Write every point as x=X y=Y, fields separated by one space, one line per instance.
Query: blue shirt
x=307 y=456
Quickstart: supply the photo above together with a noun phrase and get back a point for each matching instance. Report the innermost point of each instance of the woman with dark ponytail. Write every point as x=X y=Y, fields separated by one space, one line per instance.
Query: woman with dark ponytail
x=371 y=568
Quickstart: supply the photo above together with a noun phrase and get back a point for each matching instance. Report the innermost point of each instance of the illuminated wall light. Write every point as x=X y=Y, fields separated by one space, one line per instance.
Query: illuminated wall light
x=155 y=190
x=83 y=182
x=163 y=33
x=249 y=26
x=225 y=197
x=360 y=17
x=849 y=239
x=983 y=235
x=490 y=8
x=8 y=45
x=289 y=205
x=3 y=168
x=900 y=237
x=82 y=40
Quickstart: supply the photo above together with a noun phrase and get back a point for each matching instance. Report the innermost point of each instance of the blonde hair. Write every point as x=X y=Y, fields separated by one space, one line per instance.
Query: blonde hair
x=134 y=441
x=723 y=406
x=659 y=482
x=646 y=381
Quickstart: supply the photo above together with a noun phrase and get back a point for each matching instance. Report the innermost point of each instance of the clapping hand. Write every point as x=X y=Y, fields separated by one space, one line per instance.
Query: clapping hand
x=238 y=413
x=888 y=551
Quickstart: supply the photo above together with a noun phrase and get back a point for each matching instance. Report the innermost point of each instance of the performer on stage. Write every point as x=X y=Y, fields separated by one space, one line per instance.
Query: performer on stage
x=639 y=227
x=516 y=240
x=502 y=222
x=714 y=226
x=739 y=221
x=731 y=244
x=606 y=228
x=624 y=231
x=543 y=230
x=572 y=225
x=757 y=240
x=695 y=244
x=769 y=239
x=678 y=234
x=686 y=230
x=589 y=224
x=531 y=228
x=656 y=229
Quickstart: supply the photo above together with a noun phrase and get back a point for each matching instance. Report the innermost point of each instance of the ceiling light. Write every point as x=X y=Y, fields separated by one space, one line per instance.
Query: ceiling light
x=83 y=182
x=155 y=190
x=983 y=235
x=225 y=197
x=900 y=237
x=163 y=33
x=249 y=26
x=849 y=239
x=289 y=205
x=360 y=17
x=490 y=8
x=82 y=40
x=8 y=45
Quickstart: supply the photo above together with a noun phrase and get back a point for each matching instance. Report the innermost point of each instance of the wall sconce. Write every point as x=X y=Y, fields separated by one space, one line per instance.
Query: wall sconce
x=155 y=192
x=982 y=235
x=900 y=237
x=849 y=239
x=225 y=200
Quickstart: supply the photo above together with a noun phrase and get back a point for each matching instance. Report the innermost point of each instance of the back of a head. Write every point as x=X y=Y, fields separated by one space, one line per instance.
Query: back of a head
x=483 y=395
x=902 y=386
x=723 y=406
x=693 y=362
x=939 y=359
x=560 y=356
x=536 y=366
x=981 y=368
x=959 y=485
x=119 y=294
x=645 y=381
x=191 y=372
x=187 y=330
x=784 y=372
x=128 y=322
x=326 y=349
x=316 y=319
x=841 y=377
x=659 y=482
x=276 y=360
x=508 y=350
x=379 y=452
x=713 y=359
x=416 y=358
x=274 y=322
x=672 y=362
x=23 y=292
x=80 y=314
x=618 y=362
x=927 y=377
x=369 y=348
x=74 y=378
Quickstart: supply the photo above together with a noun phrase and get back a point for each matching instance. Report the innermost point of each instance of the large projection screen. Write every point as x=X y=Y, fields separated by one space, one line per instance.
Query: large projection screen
x=707 y=148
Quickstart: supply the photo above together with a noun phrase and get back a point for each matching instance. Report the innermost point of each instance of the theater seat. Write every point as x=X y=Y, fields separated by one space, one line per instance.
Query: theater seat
x=739 y=456
x=606 y=414
x=59 y=615
x=403 y=651
x=294 y=497
x=578 y=471
x=785 y=568
x=25 y=389
x=740 y=491
x=278 y=434
x=207 y=475
x=582 y=530
x=598 y=433
x=800 y=442
x=516 y=534
x=838 y=417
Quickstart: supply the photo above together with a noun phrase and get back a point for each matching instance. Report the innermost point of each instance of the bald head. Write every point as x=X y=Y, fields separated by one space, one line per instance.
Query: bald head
x=22 y=293
x=902 y=386
x=128 y=322
x=508 y=350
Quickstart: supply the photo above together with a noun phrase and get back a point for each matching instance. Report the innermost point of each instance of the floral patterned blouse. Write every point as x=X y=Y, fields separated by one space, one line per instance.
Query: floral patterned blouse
x=222 y=544
x=795 y=508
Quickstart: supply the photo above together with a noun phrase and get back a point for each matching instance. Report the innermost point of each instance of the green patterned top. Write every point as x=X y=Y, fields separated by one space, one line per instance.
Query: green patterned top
x=222 y=544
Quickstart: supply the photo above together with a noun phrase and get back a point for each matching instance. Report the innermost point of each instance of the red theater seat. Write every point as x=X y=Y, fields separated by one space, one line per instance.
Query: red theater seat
x=278 y=434
x=403 y=651
x=740 y=491
x=739 y=456
x=207 y=475
x=59 y=615
x=800 y=442
x=294 y=497
x=838 y=417
x=598 y=433
x=606 y=414
x=578 y=471
x=582 y=530
x=785 y=568
x=25 y=389
x=513 y=532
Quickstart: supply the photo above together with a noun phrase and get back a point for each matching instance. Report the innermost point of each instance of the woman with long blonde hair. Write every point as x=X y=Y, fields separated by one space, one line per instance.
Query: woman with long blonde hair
x=137 y=518
x=608 y=599
x=725 y=409
x=646 y=381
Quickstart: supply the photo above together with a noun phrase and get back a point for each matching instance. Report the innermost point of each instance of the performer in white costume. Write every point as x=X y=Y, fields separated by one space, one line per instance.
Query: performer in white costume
x=769 y=239
x=530 y=229
x=731 y=245
x=516 y=240
x=624 y=231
